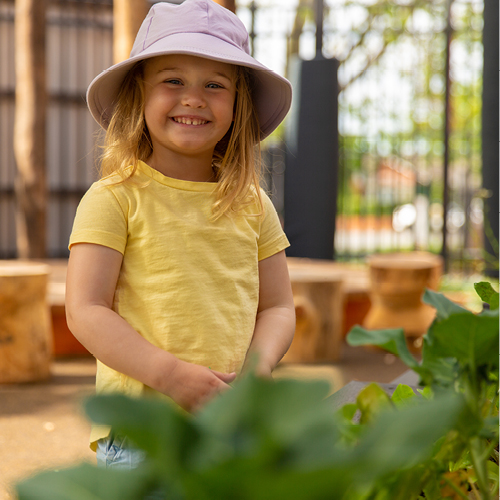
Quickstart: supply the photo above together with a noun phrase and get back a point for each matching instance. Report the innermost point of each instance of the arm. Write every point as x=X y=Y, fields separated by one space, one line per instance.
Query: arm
x=275 y=323
x=91 y=281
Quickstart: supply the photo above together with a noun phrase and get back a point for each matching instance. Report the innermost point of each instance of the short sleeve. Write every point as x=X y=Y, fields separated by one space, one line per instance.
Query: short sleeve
x=100 y=219
x=272 y=239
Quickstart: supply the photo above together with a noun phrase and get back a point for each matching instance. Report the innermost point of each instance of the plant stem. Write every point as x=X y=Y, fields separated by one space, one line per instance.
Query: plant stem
x=489 y=450
x=479 y=463
x=475 y=490
x=493 y=405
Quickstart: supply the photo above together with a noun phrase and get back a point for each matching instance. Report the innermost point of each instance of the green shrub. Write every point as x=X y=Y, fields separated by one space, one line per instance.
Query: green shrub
x=284 y=439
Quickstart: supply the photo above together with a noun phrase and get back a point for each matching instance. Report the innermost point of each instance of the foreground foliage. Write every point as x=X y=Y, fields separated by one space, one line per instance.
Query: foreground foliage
x=285 y=440
x=460 y=356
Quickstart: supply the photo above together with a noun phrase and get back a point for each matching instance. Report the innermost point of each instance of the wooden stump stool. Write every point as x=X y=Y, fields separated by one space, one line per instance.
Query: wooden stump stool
x=318 y=298
x=397 y=284
x=25 y=327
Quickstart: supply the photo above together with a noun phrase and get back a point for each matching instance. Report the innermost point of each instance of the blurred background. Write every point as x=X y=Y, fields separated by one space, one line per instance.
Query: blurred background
x=408 y=168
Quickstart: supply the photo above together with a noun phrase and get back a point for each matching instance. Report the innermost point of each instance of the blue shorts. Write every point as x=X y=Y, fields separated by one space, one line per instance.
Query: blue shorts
x=116 y=452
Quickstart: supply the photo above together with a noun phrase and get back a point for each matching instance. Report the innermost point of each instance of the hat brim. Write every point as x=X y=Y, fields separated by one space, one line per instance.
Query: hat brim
x=272 y=93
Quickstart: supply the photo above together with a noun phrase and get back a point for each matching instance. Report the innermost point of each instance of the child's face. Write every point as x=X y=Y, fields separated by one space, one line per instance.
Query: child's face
x=189 y=104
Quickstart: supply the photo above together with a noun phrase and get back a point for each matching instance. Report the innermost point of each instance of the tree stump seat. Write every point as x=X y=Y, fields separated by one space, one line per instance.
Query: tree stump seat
x=25 y=325
x=397 y=283
x=319 y=305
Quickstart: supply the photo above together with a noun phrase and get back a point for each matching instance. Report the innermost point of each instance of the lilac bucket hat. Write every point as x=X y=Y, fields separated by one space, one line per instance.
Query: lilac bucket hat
x=200 y=28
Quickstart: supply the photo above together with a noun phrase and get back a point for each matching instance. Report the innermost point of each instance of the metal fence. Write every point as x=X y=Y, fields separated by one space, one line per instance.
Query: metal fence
x=397 y=93
x=407 y=120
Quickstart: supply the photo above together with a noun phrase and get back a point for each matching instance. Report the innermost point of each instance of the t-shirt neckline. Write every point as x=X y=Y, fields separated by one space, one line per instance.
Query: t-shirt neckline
x=207 y=187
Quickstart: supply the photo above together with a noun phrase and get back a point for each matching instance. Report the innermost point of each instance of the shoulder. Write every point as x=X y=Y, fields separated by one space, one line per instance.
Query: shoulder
x=118 y=179
x=260 y=201
x=268 y=208
x=107 y=194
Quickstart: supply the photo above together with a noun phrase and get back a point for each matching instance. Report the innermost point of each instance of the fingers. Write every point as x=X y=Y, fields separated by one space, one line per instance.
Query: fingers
x=198 y=385
x=225 y=377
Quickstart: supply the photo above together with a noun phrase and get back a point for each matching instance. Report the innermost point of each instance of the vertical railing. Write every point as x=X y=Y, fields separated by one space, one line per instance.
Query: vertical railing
x=392 y=117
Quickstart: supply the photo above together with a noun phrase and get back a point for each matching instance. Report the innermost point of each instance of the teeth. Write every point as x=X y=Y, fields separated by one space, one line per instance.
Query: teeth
x=189 y=121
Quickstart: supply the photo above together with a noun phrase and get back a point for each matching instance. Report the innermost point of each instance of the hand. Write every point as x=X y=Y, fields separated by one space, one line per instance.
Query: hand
x=193 y=386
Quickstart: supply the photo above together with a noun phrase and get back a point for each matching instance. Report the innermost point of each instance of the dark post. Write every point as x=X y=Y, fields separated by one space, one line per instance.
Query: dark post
x=253 y=10
x=490 y=133
x=446 y=138
x=312 y=154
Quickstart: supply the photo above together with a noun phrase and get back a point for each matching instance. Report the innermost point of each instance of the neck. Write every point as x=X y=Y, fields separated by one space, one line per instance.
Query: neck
x=187 y=168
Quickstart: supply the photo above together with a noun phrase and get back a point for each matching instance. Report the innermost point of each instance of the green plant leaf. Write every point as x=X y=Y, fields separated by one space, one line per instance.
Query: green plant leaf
x=471 y=339
x=392 y=340
x=86 y=482
x=371 y=401
x=432 y=489
x=243 y=480
x=487 y=293
x=278 y=439
x=403 y=438
x=444 y=307
x=265 y=418
x=404 y=484
x=348 y=411
x=492 y=471
x=403 y=396
x=426 y=392
x=436 y=371
x=167 y=435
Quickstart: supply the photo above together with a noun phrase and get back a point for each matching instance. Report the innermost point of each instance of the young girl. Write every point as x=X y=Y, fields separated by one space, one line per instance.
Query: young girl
x=177 y=277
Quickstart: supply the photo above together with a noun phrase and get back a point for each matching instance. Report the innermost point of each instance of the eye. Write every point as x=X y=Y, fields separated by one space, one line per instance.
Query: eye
x=173 y=81
x=214 y=86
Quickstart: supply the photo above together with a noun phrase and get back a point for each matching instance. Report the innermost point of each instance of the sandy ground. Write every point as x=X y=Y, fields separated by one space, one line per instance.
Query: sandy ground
x=42 y=426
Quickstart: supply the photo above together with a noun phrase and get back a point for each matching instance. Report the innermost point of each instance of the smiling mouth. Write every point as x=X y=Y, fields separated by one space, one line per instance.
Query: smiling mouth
x=189 y=121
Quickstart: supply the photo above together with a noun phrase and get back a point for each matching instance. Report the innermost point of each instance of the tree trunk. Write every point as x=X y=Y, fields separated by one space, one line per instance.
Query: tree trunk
x=293 y=46
x=229 y=4
x=127 y=19
x=29 y=128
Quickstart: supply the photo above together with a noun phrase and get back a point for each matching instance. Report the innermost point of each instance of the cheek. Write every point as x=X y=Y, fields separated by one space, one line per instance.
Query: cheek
x=229 y=108
x=156 y=102
x=154 y=108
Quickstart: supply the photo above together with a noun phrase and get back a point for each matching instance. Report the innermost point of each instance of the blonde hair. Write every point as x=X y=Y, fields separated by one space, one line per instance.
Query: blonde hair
x=236 y=158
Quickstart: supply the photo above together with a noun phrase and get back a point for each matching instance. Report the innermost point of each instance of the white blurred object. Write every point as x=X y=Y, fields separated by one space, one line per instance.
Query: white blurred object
x=403 y=217
x=422 y=222
x=436 y=216
x=455 y=218
x=476 y=213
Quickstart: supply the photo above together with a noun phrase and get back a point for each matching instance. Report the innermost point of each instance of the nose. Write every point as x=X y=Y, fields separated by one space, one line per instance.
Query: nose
x=193 y=97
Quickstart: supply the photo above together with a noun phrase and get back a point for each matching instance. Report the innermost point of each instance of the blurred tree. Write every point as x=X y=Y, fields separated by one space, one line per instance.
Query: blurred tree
x=29 y=128
x=229 y=4
x=127 y=19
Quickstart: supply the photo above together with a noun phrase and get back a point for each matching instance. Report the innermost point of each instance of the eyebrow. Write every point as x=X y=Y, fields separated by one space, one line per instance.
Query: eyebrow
x=216 y=73
x=167 y=69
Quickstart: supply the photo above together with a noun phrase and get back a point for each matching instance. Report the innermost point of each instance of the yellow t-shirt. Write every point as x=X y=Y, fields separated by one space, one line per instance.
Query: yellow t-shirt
x=187 y=284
